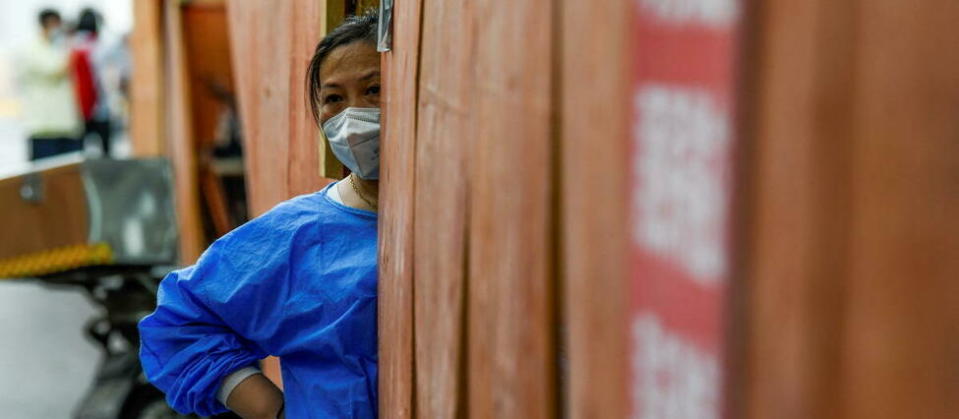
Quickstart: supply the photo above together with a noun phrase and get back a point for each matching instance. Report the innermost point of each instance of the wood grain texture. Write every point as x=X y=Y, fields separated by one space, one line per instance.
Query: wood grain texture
x=60 y=219
x=851 y=260
x=511 y=279
x=207 y=44
x=262 y=79
x=795 y=195
x=594 y=112
x=445 y=135
x=799 y=186
x=147 y=125
x=274 y=42
x=396 y=223
x=208 y=53
x=182 y=144
x=900 y=352
x=482 y=288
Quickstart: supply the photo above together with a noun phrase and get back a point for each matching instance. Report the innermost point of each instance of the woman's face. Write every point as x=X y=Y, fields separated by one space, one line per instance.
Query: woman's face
x=349 y=77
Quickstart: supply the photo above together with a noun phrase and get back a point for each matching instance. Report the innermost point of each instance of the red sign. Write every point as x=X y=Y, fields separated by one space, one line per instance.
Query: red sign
x=682 y=139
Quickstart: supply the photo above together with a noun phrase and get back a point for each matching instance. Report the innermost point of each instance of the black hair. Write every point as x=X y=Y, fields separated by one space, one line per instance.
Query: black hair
x=360 y=28
x=89 y=21
x=47 y=14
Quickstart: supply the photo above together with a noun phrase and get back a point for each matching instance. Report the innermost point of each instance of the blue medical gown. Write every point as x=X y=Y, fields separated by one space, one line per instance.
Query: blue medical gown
x=299 y=282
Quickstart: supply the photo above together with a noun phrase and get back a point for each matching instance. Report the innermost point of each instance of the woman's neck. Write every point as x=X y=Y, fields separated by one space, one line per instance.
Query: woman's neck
x=372 y=187
x=359 y=193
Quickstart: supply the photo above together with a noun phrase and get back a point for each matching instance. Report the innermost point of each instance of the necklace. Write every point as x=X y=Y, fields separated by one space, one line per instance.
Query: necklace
x=357 y=190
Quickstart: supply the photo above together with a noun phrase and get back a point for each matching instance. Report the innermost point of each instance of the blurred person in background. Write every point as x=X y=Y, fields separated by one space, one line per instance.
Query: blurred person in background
x=50 y=112
x=86 y=70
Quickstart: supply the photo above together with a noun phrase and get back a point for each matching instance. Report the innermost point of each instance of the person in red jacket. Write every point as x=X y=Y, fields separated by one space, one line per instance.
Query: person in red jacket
x=89 y=92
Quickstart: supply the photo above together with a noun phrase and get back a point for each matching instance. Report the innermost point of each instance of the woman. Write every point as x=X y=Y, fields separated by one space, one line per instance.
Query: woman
x=298 y=282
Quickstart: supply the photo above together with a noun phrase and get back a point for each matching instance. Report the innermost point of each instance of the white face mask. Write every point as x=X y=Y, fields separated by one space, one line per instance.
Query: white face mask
x=354 y=136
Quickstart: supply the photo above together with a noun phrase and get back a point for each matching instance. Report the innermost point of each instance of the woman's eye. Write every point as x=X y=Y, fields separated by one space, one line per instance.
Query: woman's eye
x=373 y=90
x=332 y=98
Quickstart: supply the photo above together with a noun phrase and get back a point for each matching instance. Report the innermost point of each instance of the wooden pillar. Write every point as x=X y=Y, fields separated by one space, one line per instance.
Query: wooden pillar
x=902 y=322
x=147 y=124
x=594 y=110
x=401 y=68
x=182 y=150
x=473 y=147
x=444 y=138
x=852 y=267
x=512 y=279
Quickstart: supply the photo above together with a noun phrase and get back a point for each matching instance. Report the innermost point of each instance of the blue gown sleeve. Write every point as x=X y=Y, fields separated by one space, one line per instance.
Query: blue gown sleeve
x=219 y=315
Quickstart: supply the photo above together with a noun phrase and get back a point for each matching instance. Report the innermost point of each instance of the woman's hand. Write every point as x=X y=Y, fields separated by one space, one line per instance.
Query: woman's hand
x=256 y=398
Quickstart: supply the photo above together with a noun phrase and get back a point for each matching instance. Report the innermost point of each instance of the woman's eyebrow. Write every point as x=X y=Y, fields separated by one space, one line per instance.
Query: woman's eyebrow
x=370 y=75
x=366 y=77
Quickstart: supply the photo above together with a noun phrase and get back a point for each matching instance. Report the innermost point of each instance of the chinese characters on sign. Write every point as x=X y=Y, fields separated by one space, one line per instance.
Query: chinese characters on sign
x=682 y=139
x=681 y=176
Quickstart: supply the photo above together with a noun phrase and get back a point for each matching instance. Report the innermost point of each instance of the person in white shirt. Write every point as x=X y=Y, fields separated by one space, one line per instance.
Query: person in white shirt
x=51 y=117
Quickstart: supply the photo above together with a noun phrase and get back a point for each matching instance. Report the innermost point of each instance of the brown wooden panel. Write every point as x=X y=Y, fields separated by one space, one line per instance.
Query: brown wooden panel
x=208 y=53
x=181 y=136
x=262 y=75
x=798 y=197
x=276 y=39
x=59 y=219
x=147 y=126
x=444 y=136
x=210 y=71
x=398 y=185
x=852 y=239
x=511 y=280
x=900 y=353
x=594 y=110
